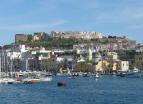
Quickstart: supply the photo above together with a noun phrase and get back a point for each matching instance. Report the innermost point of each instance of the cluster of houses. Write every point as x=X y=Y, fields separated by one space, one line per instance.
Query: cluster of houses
x=119 y=53
x=25 y=58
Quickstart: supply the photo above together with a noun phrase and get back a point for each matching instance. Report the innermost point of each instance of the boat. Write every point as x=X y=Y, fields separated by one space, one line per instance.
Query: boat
x=60 y=84
x=29 y=82
x=68 y=72
x=97 y=75
x=7 y=79
x=87 y=74
x=46 y=78
x=60 y=73
x=39 y=78
x=133 y=73
x=31 y=79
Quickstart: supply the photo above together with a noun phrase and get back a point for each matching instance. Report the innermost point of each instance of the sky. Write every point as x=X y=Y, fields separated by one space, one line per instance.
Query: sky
x=110 y=17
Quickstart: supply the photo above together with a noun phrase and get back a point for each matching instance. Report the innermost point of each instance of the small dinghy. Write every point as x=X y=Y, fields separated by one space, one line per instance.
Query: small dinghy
x=60 y=84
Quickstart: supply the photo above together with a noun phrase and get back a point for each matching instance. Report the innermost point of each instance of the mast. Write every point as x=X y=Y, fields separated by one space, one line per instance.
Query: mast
x=11 y=67
x=27 y=65
x=2 y=61
x=0 y=67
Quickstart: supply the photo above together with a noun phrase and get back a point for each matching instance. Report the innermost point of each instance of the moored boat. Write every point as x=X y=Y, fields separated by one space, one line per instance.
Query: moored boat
x=133 y=73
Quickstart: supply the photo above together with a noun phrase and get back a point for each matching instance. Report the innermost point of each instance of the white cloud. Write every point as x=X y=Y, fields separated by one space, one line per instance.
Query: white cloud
x=133 y=13
x=33 y=26
x=92 y=4
x=137 y=26
x=122 y=15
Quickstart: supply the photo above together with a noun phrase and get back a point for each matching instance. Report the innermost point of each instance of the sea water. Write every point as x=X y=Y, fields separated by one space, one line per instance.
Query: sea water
x=80 y=90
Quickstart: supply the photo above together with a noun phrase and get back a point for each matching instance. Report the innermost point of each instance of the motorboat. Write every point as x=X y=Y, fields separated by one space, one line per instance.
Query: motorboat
x=31 y=79
x=133 y=73
x=40 y=78
x=8 y=81
x=45 y=79
x=97 y=75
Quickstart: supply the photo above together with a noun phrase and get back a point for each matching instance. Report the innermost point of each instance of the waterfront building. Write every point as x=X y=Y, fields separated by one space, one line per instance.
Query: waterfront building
x=124 y=65
x=102 y=66
x=109 y=67
x=128 y=55
x=115 y=67
x=139 y=60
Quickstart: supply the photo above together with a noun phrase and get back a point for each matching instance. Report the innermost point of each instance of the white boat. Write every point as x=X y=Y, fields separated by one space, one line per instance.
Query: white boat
x=31 y=79
x=8 y=81
x=45 y=79
x=40 y=78
x=134 y=73
x=97 y=75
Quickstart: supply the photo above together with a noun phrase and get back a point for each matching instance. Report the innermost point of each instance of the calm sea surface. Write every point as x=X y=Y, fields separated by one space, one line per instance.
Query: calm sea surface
x=105 y=90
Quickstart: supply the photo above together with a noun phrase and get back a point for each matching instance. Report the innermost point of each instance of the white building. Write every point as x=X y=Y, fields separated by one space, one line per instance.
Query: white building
x=19 y=48
x=81 y=51
x=124 y=65
x=112 y=55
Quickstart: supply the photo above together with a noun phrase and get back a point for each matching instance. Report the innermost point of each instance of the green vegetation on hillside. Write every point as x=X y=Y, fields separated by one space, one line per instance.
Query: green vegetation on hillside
x=51 y=43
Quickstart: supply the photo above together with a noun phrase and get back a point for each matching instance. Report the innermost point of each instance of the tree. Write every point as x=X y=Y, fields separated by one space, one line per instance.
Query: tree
x=83 y=67
x=49 y=65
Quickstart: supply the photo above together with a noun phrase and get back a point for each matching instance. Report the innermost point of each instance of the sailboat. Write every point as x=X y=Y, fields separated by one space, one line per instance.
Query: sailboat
x=68 y=72
x=1 y=79
x=30 y=78
x=10 y=79
x=60 y=72
x=37 y=78
x=3 y=65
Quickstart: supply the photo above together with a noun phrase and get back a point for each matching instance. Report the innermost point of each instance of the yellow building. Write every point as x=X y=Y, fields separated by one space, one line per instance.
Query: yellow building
x=102 y=66
x=112 y=66
x=115 y=66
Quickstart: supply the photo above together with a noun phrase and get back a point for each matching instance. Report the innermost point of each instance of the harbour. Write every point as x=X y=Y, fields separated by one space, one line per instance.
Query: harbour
x=71 y=52
x=81 y=90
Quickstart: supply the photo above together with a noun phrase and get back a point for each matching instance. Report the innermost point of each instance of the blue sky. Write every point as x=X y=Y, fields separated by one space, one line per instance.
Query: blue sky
x=115 y=17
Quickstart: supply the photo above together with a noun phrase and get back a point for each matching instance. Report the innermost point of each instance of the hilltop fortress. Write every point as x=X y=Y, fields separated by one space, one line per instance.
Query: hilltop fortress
x=57 y=34
x=96 y=38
